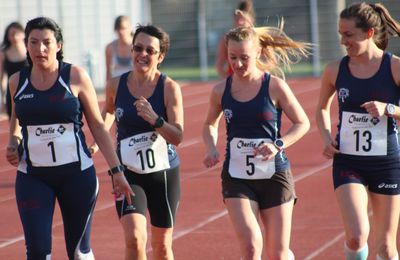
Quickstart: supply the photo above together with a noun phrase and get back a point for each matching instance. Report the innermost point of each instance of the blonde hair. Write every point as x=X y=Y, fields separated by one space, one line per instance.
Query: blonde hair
x=278 y=51
x=376 y=16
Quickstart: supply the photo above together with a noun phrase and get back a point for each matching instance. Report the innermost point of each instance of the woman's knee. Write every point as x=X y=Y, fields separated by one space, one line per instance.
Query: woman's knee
x=251 y=248
x=357 y=239
x=136 y=240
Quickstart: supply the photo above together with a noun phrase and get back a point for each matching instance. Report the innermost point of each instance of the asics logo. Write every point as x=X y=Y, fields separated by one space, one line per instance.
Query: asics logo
x=387 y=185
x=25 y=96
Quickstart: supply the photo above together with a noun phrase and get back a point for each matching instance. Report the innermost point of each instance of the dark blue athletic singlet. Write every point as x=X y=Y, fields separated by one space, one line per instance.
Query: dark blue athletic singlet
x=51 y=125
x=254 y=119
x=129 y=124
x=354 y=121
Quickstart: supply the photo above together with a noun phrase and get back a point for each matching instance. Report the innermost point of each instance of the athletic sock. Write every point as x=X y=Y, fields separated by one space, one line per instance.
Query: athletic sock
x=291 y=255
x=393 y=258
x=360 y=254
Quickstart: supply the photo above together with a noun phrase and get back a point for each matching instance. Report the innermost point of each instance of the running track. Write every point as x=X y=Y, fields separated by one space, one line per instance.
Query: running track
x=203 y=229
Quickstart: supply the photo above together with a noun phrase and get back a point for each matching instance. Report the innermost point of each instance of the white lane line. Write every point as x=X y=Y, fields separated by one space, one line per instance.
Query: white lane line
x=312 y=171
x=6 y=198
x=325 y=246
x=11 y=241
x=181 y=233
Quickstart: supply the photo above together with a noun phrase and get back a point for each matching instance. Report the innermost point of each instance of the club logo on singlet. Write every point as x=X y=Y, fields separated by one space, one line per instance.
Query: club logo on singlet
x=343 y=94
x=119 y=112
x=228 y=115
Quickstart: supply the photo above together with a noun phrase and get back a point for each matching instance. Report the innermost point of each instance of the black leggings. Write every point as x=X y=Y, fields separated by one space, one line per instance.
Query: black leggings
x=159 y=192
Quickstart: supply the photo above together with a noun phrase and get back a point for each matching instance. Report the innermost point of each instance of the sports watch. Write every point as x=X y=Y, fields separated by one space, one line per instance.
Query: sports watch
x=159 y=122
x=116 y=169
x=390 y=109
x=279 y=144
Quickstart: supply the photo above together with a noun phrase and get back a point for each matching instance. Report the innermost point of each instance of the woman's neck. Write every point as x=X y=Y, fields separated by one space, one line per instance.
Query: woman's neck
x=251 y=77
x=125 y=40
x=371 y=54
x=141 y=79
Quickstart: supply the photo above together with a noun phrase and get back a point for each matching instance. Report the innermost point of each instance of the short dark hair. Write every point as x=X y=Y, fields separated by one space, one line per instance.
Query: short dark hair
x=156 y=32
x=42 y=23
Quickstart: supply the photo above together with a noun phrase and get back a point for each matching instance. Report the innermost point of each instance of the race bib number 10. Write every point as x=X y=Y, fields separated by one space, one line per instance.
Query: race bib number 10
x=243 y=164
x=363 y=135
x=52 y=145
x=145 y=153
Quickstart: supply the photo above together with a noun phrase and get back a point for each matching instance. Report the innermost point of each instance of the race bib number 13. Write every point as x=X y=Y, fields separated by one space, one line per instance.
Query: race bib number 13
x=363 y=135
x=52 y=145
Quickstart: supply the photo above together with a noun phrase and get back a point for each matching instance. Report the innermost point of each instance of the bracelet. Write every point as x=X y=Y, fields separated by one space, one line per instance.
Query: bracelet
x=116 y=169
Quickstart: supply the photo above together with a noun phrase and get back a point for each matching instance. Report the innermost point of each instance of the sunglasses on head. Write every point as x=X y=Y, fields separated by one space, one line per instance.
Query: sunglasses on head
x=149 y=50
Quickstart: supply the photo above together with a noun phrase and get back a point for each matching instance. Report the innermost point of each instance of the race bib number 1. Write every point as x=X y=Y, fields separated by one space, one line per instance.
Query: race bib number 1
x=363 y=135
x=52 y=145
x=244 y=165
x=145 y=153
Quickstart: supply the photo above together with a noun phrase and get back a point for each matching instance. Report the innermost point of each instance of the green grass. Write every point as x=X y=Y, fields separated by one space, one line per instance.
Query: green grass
x=193 y=73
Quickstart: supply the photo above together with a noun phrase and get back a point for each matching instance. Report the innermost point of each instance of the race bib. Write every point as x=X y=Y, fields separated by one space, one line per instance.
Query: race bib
x=52 y=145
x=363 y=135
x=243 y=164
x=145 y=152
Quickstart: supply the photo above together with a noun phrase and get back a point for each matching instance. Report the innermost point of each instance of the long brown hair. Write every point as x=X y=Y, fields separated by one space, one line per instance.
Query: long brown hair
x=373 y=16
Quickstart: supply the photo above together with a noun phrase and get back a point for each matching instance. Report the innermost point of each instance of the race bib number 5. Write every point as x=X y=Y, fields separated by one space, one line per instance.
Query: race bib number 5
x=145 y=152
x=363 y=135
x=243 y=164
x=52 y=145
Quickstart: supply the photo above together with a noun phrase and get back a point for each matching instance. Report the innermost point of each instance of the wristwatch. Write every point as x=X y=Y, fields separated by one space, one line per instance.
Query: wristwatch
x=116 y=169
x=159 y=122
x=279 y=144
x=390 y=109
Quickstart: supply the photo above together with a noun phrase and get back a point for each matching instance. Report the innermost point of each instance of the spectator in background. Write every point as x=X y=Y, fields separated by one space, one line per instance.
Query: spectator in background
x=118 y=52
x=243 y=16
x=47 y=144
x=12 y=59
x=257 y=183
x=365 y=152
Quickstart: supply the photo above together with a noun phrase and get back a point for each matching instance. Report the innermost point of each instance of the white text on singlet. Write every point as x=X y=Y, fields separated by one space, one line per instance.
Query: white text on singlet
x=52 y=145
x=362 y=134
x=244 y=165
x=145 y=152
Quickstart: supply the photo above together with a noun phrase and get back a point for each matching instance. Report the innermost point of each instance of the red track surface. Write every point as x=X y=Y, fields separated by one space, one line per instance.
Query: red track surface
x=203 y=229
